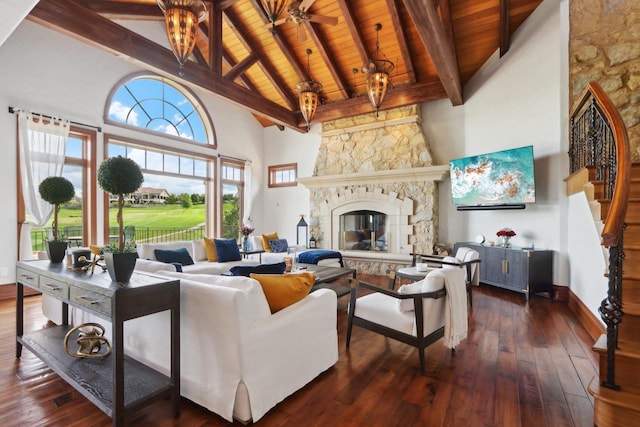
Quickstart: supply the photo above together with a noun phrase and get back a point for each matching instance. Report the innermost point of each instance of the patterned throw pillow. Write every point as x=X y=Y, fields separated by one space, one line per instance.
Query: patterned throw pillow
x=278 y=245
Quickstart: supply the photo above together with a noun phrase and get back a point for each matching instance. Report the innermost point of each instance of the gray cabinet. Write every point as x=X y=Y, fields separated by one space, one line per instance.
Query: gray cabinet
x=521 y=270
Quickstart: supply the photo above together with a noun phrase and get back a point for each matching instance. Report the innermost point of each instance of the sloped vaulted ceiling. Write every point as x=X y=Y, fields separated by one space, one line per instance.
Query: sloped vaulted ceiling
x=436 y=46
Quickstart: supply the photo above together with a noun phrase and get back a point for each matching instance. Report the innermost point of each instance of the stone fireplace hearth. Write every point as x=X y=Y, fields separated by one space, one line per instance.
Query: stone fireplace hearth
x=381 y=164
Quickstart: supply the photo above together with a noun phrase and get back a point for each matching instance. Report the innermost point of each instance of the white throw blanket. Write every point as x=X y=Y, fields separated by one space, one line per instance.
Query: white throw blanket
x=455 y=321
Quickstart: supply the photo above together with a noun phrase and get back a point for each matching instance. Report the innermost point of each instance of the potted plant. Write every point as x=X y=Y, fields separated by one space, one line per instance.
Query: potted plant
x=120 y=176
x=57 y=191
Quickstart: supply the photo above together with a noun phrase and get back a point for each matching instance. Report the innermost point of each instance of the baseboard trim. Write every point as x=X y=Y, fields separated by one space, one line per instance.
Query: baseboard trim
x=560 y=293
x=588 y=320
x=9 y=291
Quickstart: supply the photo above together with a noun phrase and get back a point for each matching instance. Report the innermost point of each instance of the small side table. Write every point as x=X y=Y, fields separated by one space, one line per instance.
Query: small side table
x=246 y=254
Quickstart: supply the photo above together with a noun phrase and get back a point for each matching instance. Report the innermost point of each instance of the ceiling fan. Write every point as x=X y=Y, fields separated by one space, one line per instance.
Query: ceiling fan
x=297 y=13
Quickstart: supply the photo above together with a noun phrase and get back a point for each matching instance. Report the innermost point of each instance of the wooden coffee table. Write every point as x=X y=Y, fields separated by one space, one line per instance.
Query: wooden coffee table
x=325 y=274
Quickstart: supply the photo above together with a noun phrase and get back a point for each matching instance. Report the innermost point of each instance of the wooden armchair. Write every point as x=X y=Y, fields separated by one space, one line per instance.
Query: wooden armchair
x=466 y=258
x=414 y=316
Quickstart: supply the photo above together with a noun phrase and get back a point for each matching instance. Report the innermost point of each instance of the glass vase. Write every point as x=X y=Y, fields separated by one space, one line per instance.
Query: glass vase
x=246 y=245
x=506 y=241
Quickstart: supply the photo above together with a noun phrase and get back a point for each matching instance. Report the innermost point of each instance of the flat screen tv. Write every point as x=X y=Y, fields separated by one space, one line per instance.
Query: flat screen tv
x=498 y=180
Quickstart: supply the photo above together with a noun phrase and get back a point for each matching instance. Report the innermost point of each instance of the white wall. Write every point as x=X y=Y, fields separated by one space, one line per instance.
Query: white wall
x=283 y=206
x=588 y=279
x=512 y=101
x=53 y=74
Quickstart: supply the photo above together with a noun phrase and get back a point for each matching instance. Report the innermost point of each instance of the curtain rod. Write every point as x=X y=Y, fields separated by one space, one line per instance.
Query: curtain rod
x=222 y=156
x=16 y=110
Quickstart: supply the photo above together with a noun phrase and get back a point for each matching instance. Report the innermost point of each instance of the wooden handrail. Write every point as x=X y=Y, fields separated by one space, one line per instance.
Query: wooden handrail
x=614 y=222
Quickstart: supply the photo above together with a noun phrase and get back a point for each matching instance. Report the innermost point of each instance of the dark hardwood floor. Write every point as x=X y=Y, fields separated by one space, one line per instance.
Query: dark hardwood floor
x=521 y=365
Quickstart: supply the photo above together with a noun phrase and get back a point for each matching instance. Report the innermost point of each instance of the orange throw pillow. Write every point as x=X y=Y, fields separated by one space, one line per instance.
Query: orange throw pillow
x=210 y=247
x=283 y=290
x=266 y=238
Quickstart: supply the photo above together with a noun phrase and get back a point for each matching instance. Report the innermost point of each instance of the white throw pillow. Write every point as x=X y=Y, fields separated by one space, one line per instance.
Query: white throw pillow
x=256 y=243
x=431 y=283
x=434 y=281
x=411 y=288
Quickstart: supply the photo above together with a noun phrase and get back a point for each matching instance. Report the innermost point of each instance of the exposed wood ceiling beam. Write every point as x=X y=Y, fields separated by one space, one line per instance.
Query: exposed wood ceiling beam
x=505 y=23
x=400 y=96
x=282 y=43
x=321 y=45
x=431 y=31
x=226 y=57
x=241 y=67
x=354 y=29
x=74 y=20
x=447 y=23
x=401 y=36
x=242 y=32
x=117 y=10
x=244 y=80
x=215 y=37
x=223 y=4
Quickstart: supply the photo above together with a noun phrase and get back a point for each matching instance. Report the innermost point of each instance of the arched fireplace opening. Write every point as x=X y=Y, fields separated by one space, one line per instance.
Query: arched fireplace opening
x=363 y=230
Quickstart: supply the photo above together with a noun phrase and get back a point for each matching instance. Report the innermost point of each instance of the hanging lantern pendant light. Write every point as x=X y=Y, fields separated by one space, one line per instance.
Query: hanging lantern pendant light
x=377 y=71
x=308 y=95
x=181 y=19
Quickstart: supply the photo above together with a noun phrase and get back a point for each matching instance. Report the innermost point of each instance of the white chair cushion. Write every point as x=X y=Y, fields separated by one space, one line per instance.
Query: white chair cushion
x=382 y=309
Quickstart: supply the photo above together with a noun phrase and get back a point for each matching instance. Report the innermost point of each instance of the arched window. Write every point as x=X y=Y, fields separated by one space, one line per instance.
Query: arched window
x=161 y=106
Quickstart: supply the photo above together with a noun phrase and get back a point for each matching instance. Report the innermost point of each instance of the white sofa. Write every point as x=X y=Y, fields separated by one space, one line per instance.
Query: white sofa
x=198 y=253
x=237 y=359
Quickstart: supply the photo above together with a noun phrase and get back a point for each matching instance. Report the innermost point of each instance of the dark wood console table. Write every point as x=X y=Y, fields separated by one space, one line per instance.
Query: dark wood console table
x=103 y=381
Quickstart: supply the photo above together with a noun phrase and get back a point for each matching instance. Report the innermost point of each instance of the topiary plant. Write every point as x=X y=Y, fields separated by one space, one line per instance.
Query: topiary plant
x=57 y=191
x=120 y=176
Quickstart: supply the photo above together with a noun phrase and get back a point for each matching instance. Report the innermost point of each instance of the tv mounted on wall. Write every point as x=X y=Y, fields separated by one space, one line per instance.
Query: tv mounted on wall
x=498 y=180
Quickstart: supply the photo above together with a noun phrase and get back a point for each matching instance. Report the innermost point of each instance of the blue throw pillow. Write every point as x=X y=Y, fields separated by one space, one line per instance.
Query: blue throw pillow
x=173 y=255
x=227 y=250
x=279 y=245
x=246 y=270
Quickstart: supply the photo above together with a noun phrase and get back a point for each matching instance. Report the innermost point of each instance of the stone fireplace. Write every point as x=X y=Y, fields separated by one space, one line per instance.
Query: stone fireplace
x=375 y=164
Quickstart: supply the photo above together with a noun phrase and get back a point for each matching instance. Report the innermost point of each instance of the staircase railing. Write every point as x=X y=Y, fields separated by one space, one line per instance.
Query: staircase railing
x=599 y=139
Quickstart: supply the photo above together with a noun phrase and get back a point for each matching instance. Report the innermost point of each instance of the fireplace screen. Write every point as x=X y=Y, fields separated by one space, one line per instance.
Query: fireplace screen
x=363 y=231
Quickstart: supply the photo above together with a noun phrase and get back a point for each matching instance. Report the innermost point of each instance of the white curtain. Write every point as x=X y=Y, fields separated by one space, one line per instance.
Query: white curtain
x=248 y=197
x=42 y=145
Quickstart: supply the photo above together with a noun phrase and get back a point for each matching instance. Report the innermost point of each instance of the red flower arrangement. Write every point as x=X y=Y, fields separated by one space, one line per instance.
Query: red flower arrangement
x=245 y=230
x=506 y=232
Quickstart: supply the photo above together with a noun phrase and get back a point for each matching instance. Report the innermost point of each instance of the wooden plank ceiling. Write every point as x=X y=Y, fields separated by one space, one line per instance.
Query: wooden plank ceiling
x=436 y=46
